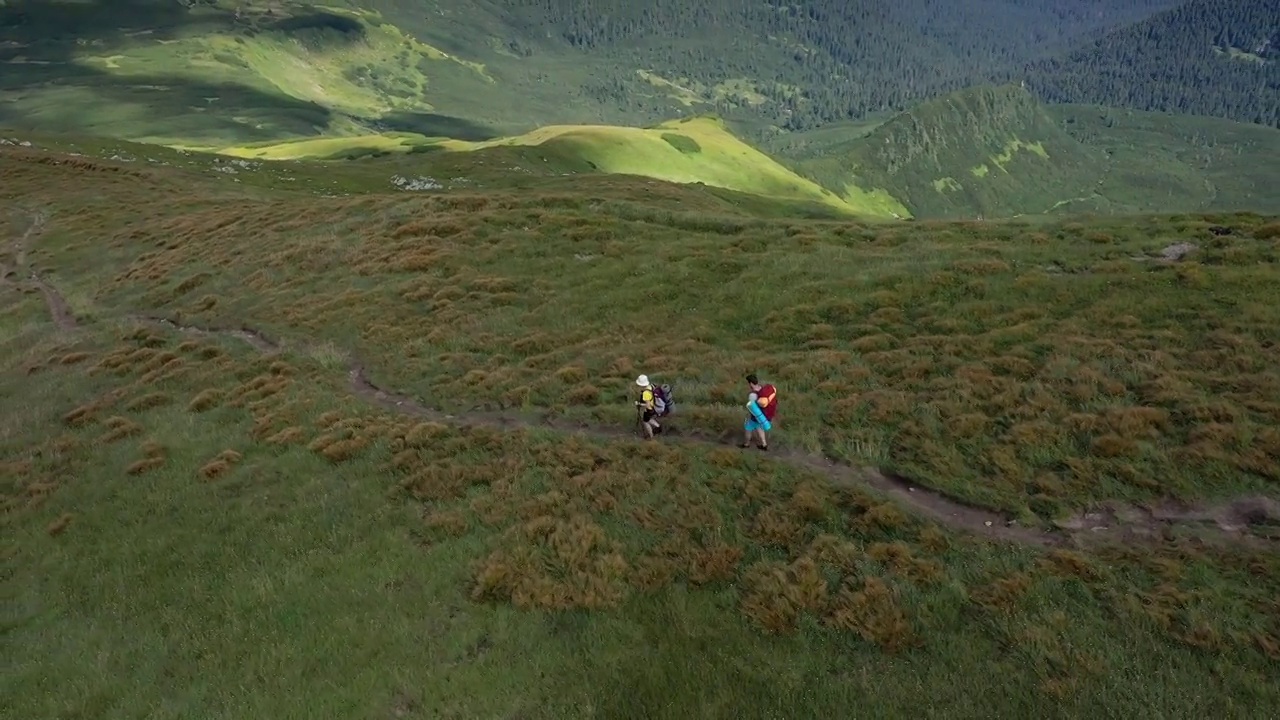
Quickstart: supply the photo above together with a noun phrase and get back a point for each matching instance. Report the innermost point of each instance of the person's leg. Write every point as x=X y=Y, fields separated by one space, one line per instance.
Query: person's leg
x=750 y=426
x=764 y=440
x=650 y=423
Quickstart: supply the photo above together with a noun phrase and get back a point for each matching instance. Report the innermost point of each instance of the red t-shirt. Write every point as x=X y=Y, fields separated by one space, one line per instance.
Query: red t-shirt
x=767 y=399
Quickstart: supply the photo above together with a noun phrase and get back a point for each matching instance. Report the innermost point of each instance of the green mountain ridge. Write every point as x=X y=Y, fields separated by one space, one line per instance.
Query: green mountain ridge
x=996 y=151
x=986 y=152
x=297 y=80
x=1217 y=58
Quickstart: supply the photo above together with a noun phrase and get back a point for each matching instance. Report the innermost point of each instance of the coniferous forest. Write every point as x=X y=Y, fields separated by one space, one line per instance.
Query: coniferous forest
x=1206 y=57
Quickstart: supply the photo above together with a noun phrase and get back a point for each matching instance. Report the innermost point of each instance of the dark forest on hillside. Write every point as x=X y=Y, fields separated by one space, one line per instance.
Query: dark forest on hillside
x=811 y=58
x=1209 y=57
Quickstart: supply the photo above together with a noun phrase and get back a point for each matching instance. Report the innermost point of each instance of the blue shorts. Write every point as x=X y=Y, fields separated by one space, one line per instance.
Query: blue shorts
x=752 y=425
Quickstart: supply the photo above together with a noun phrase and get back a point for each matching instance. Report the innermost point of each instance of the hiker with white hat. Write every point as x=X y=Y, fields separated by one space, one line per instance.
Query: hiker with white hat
x=653 y=404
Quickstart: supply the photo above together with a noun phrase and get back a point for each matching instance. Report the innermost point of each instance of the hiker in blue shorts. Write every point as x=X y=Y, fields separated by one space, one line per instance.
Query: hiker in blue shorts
x=762 y=404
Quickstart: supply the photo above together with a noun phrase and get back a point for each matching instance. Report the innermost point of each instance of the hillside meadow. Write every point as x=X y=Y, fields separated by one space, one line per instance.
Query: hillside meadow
x=287 y=450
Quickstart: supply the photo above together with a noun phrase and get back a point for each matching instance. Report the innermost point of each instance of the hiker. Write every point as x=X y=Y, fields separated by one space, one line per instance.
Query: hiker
x=763 y=406
x=654 y=403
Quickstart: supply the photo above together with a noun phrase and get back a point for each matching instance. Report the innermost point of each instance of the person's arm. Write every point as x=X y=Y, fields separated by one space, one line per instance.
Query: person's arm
x=764 y=401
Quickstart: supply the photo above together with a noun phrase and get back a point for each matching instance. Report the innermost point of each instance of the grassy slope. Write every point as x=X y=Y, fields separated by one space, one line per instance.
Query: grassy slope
x=278 y=70
x=996 y=152
x=694 y=150
x=360 y=74
x=1161 y=161
x=342 y=82
x=984 y=151
x=304 y=554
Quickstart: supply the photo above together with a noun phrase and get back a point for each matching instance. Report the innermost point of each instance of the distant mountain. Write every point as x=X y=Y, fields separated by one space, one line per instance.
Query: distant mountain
x=801 y=63
x=230 y=71
x=996 y=151
x=1218 y=58
x=986 y=151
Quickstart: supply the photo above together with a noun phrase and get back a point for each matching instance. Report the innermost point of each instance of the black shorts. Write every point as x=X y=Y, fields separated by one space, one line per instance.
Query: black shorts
x=650 y=415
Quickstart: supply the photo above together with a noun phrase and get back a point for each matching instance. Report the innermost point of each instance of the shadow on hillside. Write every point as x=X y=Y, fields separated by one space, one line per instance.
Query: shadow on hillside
x=318 y=20
x=153 y=105
x=51 y=30
x=39 y=43
x=434 y=125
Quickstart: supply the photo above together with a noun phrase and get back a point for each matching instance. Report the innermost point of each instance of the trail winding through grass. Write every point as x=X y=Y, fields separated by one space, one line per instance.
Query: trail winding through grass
x=1230 y=521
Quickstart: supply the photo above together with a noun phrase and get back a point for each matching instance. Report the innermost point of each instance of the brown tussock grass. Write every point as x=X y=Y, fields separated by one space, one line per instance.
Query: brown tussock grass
x=259 y=388
x=873 y=613
x=214 y=469
x=39 y=490
x=836 y=552
x=74 y=358
x=81 y=416
x=344 y=450
x=884 y=517
x=718 y=563
x=205 y=400
x=652 y=573
x=59 y=526
x=775 y=594
x=1065 y=563
x=16 y=468
x=453 y=523
x=1137 y=421
x=145 y=465
x=424 y=434
x=119 y=428
x=1267 y=643
x=554 y=563
x=584 y=394
x=776 y=526
x=1004 y=594
x=1114 y=446
x=934 y=540
x=292 y=435
x=221 y=464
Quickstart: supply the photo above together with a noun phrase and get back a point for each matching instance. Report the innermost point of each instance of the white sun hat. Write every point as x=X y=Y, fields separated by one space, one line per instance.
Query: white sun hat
x=643 y=381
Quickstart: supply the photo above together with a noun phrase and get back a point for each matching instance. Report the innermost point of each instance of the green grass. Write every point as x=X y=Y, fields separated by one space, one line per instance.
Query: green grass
x=209 y=79
x=307 y=82
x=294 y=584
x=699 y=150
x=1162 y=161
x=996 y=152
x=986 y=152
x=193 y=528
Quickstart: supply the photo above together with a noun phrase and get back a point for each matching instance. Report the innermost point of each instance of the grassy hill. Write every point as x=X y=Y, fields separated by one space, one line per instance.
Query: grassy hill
x=693 y=150
x=294 y=440
x=211 y=75
x=1161 y=161
x=288 y=80
x=985 y=151
x=272 y=68
x=997 y=152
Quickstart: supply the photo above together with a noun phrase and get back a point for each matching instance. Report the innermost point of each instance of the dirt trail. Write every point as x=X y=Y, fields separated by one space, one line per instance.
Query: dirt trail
x=1113 y=522
x=1232 y=521
x=58 y=308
